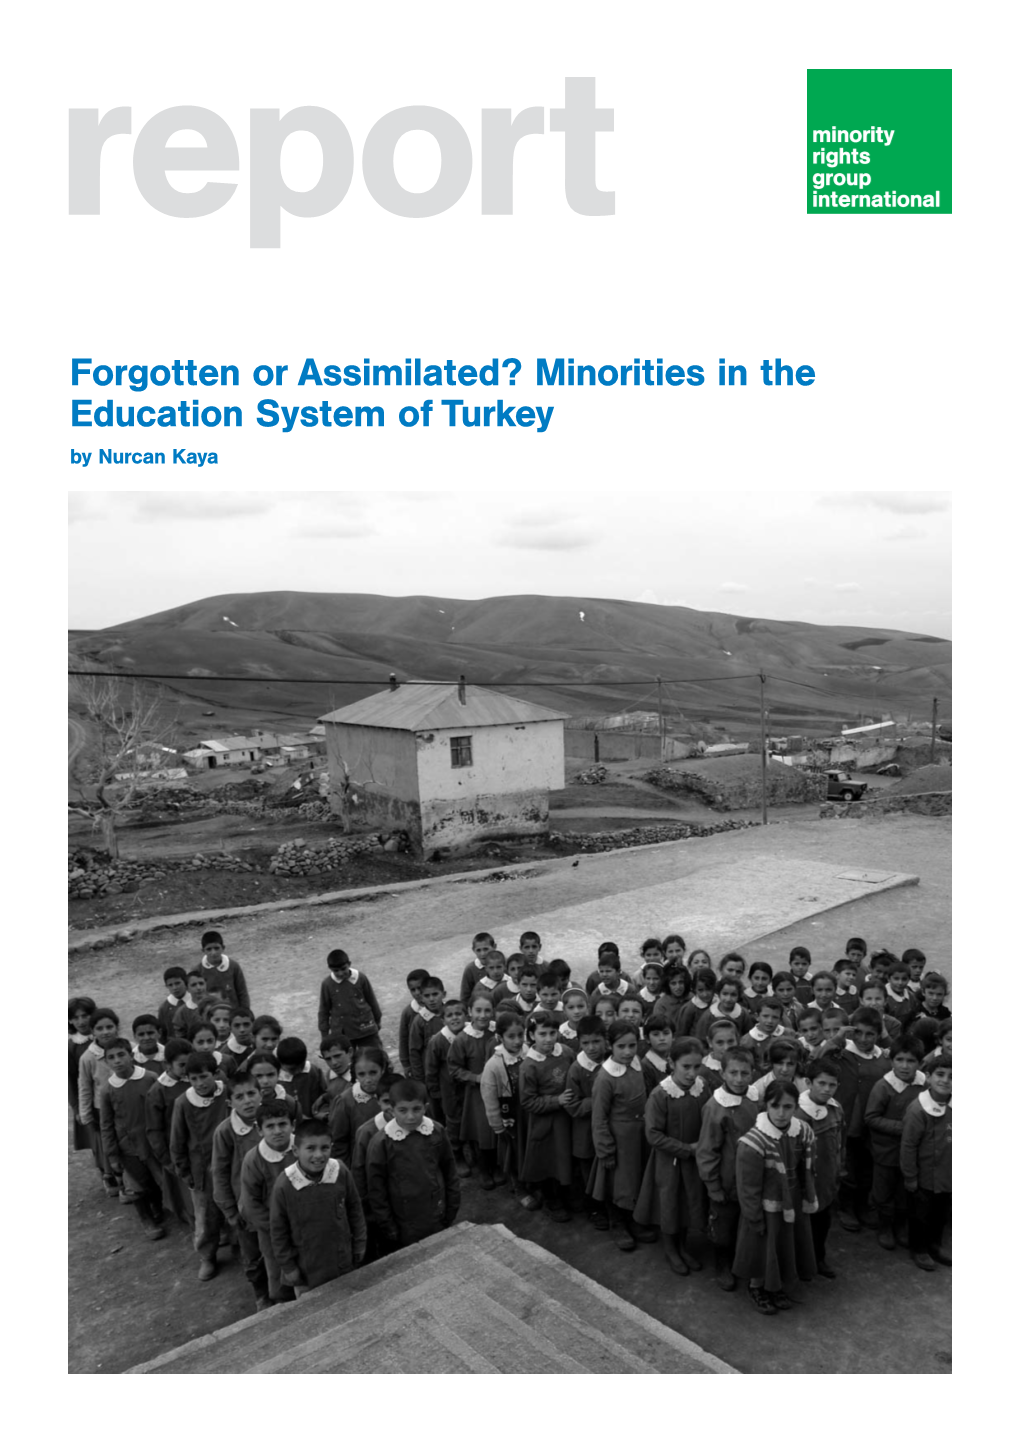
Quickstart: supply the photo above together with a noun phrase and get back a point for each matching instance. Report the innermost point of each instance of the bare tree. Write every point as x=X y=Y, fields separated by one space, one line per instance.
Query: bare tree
x=122 y=724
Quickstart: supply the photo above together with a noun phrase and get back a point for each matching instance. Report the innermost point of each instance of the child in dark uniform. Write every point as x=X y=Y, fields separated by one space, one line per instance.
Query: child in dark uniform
x=413 y=1186
x=546 y=1162
x=617 y=1126
x=80 y=1010
x=591 y=1053
x=469 y=1052
x=824 y=1115
x=316 y=1221
x=727 y=1115
x=359 y=1103
x=672 y=1193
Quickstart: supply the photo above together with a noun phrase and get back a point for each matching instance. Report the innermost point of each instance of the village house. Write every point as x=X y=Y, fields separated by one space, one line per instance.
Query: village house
x=450 y=765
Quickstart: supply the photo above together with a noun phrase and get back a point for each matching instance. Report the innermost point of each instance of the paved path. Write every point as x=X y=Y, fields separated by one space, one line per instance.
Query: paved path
x=475 y=1299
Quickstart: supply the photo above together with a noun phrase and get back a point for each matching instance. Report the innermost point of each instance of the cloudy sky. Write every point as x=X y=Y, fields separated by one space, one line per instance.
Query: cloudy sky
x=879 y=558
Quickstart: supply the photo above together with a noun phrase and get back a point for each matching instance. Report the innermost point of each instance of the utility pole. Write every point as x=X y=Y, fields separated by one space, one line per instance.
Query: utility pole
x=662 y=722
x=934 y=720
x=764 y=756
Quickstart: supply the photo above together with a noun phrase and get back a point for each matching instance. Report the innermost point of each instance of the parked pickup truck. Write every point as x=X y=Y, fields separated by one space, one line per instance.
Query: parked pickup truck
x=840 y=787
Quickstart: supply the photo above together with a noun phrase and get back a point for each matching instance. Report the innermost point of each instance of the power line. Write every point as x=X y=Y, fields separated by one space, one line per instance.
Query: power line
x=384 y=681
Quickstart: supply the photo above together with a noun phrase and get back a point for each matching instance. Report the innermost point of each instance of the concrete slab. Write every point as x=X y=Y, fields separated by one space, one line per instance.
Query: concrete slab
x=475 y=1299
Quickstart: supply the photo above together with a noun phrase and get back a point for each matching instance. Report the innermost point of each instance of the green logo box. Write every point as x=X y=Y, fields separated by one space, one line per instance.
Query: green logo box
x=880 y=142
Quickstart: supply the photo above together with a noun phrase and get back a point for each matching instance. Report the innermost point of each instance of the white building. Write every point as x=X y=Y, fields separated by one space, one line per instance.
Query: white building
x=448 y=764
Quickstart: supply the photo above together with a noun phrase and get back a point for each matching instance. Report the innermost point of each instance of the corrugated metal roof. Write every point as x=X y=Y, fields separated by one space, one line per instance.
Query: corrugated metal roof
x=436 y=706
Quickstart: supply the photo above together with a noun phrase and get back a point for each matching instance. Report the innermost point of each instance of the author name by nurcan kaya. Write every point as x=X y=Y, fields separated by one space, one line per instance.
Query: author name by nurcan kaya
x=146 y=458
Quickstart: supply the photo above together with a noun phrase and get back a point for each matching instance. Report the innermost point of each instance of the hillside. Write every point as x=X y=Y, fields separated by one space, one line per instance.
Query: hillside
x=341 y=647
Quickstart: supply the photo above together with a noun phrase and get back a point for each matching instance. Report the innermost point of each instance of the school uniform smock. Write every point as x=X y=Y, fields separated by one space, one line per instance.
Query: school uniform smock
x=423 y=1028
x=152 y=1061
x=92 y=1073
x=724 y=1120
x=413 y=1187
x=672 y=1193
x=232 y=1140
x=351 y=1005
x=775 y=1187
x=669 y=1008
x=159 y=1107
x=883 y=1116
x=469 y=1052
x=547 y=1149
x=903 y=1005
x=166 y=1015
x=122 y=1115
x=655 y=1068
x=926 y=1146
x=441 y=1087
x=471 y=976
x=359 y=1152
x=227 y=978
x=77 y=1044
x=316 y=1227
x=711 y=1071
x=859 y=1071
x=259 y=1170
x=713 y=1012
x=351 y=1110
x=829 y=1126
x=412 y=1010
x=689 y=1015
x=618 y=1132
x=581 y=1081
x=192 y=1126
x=305 y=1086
x=648 y=1000
x=234 y=1055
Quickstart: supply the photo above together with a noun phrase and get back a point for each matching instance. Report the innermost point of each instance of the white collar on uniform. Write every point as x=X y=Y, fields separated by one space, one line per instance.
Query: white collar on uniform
x=474 y=1032
x=240 y=1129
x=511 y=985
x=671 y=1089
x=488 y=983
x=617 y=1068
x=649 y=996
x=900 y=1086
x=533 y=1054
x=445 y=1031
x=420 y=1008
x=817 y=1111
x=166 y=1080
x=566 y=1030
x=712 y=1064
x=586 y=1063
x=177 y=1000
x=298 y=1180
x=235 y=1046
x=267 y=1153
x=738 y=1010
x=931 y=1106
x=522 y=1004
x=119 y=1081
x=191 y=1005
x=287 y=1075
x=197 y=1101
x=223 y=965
x=896 y=995
x=507 y=1058
x=94 y=1049
x=764 y=1125
x=658 y=1062
x=616 y=990
x=359 y=1094
x=79 y=1036
x=396 y=1133
x=352 y=975
x=756 y=1034
x=854 y=1050
x=725 y=1098
x=696 y=1001
x=141 y=1058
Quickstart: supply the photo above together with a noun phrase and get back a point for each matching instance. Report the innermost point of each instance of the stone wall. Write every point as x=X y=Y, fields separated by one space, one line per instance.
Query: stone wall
x=920 y=803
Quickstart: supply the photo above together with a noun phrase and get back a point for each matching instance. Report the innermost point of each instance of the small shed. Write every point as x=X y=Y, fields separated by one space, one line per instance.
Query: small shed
x=449 y=764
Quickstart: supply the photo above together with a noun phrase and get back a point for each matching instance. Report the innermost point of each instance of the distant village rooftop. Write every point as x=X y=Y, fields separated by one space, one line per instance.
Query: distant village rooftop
x=439 y=705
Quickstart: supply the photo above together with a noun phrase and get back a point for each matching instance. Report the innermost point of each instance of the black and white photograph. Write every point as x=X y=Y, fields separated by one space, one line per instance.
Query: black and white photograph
x=509 y=932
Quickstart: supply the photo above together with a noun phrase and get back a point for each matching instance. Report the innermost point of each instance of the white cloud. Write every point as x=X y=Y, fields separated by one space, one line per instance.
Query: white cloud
x=568 y=537
x=201 y=505
x=900 y=503
x=907 y=533
x=733 y=588
x=333 y=531
x=847 y=586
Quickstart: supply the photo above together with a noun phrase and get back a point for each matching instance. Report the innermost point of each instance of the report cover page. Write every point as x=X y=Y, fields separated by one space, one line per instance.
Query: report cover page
x=510 y=442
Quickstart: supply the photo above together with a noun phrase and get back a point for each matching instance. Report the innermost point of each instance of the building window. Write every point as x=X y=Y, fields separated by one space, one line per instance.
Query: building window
x=460 y=750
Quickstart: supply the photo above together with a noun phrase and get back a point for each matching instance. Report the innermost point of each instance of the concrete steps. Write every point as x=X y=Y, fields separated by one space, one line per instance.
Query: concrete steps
x=473 y=1299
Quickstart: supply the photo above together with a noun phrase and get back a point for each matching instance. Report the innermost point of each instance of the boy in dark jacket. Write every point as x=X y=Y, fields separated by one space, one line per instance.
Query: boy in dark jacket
x=926 y=1161
x=883 y=1117
x=221 y=974
x=299 y=1079
x=175 y=979
x=347 y=1002
x=233 y=1139
x=196 y=1116
x=159 y=1108
x=316 y=1222
x=416 y=980
x=728 y=1114
x=259 y=1170
x=122 y=1124
x=413 y=1186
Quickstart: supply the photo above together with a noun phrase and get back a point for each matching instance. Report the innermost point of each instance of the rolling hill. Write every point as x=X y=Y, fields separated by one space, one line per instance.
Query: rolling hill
x=337 y=648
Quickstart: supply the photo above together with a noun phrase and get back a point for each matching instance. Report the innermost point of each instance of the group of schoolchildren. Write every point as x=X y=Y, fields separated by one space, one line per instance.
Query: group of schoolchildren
x=744 y=1105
